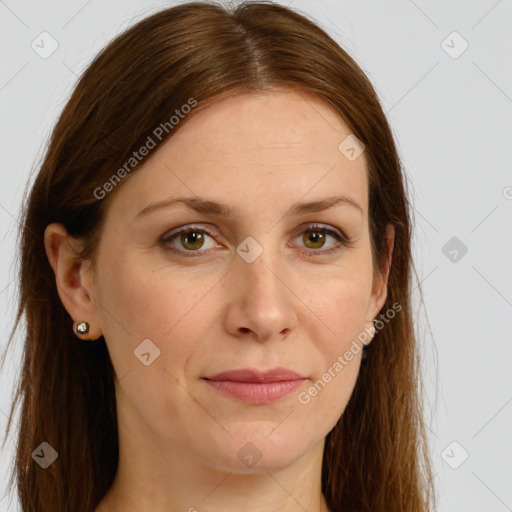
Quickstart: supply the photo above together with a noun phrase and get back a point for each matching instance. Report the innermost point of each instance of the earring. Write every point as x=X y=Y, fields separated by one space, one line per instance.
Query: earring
x=364 y=355
x=82 y=328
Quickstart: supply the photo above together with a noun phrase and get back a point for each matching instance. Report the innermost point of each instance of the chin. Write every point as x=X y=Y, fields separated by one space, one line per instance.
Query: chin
x=263 y=451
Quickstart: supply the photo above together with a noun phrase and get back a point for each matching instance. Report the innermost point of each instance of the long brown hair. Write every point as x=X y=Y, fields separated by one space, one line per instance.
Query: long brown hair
x=376 y=457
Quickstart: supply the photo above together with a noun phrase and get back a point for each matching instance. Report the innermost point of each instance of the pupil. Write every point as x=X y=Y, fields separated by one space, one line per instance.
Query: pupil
x=192 y=238
x=315 y=237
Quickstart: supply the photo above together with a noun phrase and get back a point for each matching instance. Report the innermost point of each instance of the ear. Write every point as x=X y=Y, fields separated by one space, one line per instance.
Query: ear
x=380 y=281
x=71 y=276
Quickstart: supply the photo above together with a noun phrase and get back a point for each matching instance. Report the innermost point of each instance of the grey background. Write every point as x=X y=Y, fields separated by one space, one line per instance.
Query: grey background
x=452 y=121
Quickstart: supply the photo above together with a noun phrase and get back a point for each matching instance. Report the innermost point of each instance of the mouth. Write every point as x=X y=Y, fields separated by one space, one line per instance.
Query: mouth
x=254 y=386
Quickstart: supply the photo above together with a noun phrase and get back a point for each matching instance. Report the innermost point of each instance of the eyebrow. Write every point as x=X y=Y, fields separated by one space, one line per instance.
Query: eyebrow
x=206 y=206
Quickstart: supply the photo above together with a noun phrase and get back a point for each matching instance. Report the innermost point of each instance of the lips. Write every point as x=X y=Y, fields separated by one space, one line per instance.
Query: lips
x=254 y=386
x=250 y=375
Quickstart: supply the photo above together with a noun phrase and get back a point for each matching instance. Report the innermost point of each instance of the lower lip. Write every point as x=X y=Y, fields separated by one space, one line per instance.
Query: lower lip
x=256 y=392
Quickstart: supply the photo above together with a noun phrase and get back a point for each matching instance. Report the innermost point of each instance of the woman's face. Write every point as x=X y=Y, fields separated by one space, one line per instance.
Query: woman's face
x=266 y=286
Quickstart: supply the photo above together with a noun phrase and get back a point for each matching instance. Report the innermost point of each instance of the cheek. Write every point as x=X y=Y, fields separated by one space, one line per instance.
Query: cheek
x=339 y=354
x=141 y=301
x=342 y=303
x=343 y=307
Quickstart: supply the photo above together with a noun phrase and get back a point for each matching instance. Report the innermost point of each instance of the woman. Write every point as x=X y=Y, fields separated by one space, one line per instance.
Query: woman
x=218 y=231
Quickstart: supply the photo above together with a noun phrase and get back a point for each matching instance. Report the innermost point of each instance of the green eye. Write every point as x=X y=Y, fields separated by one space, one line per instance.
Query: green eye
x=192 y=240
x=317 y=239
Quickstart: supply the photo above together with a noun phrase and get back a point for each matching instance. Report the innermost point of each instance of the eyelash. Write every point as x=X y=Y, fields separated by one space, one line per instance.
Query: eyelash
x=343 y=241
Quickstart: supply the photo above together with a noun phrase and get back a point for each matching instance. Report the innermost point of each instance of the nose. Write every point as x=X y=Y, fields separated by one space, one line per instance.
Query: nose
x=261 y=304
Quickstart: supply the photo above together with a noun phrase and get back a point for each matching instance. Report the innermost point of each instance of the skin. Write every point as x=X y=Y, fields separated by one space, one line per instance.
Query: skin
x=178 y=437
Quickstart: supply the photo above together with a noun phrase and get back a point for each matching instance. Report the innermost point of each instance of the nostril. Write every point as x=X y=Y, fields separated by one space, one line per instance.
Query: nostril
x=244 y=329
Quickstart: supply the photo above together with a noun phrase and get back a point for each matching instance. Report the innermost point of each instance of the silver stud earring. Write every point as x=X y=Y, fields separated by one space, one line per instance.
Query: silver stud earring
x=82 y=328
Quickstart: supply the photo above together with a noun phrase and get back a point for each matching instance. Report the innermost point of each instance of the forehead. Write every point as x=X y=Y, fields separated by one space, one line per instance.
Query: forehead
x=252 y=151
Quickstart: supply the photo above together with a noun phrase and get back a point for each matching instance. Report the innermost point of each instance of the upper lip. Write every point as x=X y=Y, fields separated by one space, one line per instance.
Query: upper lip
x=252 y=375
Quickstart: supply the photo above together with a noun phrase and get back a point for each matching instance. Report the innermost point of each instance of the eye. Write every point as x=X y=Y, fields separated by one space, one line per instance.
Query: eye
x=314 y=238
x=193 y=238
